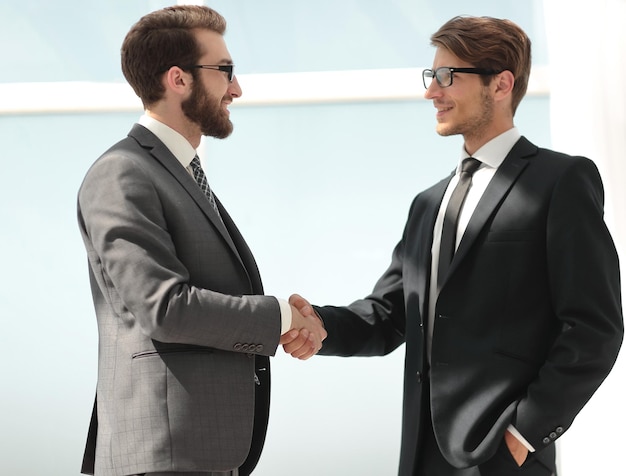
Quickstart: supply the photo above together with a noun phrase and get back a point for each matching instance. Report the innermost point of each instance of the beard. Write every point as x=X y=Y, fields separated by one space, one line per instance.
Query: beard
x=474 y=125
x=201 y=109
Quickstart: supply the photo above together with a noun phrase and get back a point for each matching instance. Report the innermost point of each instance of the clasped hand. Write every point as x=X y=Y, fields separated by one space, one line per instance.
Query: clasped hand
x=307 y=332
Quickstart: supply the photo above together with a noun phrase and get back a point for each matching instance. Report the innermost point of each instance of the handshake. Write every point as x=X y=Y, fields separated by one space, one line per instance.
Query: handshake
x=307 y=332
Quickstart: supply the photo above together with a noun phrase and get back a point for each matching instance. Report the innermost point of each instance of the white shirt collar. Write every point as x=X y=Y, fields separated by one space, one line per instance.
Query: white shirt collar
x=494 y=151
x=174 y=141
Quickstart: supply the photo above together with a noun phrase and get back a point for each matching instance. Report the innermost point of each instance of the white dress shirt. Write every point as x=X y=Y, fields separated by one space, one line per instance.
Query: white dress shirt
x=184 y=152
x=491 y=156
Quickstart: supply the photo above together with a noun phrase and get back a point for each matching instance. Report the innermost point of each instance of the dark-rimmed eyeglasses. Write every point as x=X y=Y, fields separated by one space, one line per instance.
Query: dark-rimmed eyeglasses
x=229 y=69
x=445 y=75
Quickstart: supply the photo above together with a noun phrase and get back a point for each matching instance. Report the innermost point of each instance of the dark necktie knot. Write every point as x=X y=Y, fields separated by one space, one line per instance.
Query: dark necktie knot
x=470 y=165
x=195 y=163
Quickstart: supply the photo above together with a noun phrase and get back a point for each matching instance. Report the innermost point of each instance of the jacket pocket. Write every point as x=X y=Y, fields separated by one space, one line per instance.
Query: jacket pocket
x=515 y=356
x=180 y=350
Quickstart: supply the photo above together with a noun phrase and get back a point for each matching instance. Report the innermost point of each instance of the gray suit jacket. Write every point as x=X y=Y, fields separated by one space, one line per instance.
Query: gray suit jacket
x=181 y=320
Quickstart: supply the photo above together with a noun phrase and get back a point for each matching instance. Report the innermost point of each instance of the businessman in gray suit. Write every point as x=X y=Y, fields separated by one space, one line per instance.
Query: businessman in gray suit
x=185 y=331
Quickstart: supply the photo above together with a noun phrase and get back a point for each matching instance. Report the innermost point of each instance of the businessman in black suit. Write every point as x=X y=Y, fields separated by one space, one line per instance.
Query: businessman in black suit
x=507 y=292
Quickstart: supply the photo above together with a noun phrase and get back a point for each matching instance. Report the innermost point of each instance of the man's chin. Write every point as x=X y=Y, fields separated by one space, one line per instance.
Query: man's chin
x=445 y=131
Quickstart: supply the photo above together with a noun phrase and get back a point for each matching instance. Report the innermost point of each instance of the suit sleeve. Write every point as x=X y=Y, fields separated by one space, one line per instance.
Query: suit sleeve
x=372 y=326
x=584 y=279
x=140 y=274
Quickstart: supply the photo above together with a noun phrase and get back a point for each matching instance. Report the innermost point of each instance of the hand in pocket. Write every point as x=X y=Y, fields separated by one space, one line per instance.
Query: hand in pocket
x=516 y=448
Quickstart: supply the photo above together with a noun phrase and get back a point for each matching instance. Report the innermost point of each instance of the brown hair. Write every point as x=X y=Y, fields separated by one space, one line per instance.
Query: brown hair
x=162 y=39
x=489 y=43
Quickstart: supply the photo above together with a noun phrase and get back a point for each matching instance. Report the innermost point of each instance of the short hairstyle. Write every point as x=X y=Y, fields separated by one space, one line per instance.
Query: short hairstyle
x=489 y=43
x=162 y=39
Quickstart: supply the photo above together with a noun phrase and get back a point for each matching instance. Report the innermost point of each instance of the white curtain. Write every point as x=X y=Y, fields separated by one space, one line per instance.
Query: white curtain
x=587 y=62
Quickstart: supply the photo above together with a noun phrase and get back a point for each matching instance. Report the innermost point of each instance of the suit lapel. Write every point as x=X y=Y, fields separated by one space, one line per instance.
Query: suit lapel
x=506 y=175
x=244 y=253
x=432 y=200
x=161 y=153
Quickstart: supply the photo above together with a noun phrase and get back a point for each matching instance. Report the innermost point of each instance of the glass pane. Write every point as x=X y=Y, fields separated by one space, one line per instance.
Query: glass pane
x=66 y=40
x=330 y=35
x=79 y=40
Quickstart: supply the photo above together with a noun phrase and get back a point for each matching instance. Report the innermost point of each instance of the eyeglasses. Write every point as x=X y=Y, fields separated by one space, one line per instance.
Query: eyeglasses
x=445 y=75
x=227 y=68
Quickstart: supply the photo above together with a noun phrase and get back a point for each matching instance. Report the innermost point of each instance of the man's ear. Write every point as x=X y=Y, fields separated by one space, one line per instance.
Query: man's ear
x=177 y=80
x=503 y=83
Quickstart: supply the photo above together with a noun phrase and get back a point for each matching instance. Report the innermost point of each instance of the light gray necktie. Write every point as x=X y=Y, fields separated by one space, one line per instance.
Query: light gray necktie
x=451 y=218
x=202 y=181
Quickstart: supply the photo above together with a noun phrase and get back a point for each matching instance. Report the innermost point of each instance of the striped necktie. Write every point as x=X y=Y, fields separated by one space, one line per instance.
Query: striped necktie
x=202 y=181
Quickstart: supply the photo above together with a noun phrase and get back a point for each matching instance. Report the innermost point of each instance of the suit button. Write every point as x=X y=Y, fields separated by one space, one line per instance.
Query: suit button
x=245 y=347
x=237 y=347
x=553 y=436
x=418 y=375
x=546 y=441
x=559 y=429
x=259 y=348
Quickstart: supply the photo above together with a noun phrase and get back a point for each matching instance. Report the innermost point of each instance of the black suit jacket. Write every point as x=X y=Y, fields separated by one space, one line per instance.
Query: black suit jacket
x=527 y=324
x=184 y=330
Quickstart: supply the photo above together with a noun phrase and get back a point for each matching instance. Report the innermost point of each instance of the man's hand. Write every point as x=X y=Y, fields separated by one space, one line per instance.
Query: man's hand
x=302 y=305
x=307 y=332
x=517 y=449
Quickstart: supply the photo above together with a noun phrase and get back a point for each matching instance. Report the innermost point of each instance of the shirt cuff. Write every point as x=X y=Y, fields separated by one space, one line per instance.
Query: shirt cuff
x=285 y=316
x=521 y=439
